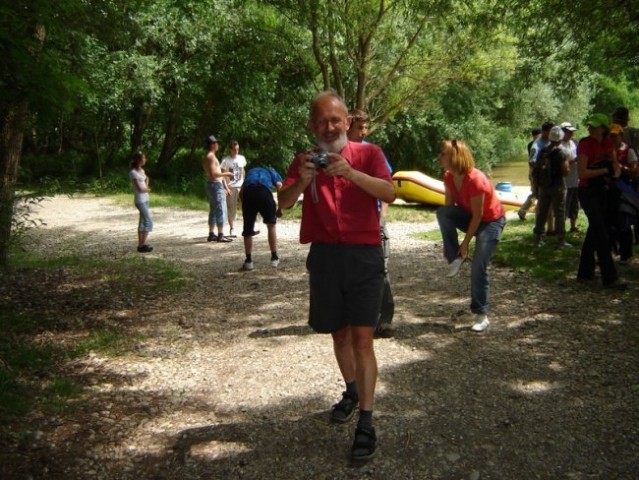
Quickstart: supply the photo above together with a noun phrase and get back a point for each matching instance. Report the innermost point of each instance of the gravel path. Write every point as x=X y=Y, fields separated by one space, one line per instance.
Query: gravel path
x=227 y=381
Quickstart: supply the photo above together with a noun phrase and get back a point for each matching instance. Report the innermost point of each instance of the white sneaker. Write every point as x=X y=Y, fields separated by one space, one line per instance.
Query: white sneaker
x=232 y=233
x=481 y=323
x=275 y=262
x=454 y=267
x=564 y=244
x=247 y=265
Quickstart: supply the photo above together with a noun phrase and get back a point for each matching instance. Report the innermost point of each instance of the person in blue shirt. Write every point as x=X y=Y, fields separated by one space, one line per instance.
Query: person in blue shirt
x=536 y=146
x=257 y=197
x=357 y=133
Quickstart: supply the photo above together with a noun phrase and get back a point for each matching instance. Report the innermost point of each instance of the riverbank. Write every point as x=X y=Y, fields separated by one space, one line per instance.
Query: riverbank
x=225 y=379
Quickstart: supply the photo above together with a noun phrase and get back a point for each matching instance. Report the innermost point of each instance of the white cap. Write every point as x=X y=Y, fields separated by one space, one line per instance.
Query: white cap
x=568 y=126
x=556 y=134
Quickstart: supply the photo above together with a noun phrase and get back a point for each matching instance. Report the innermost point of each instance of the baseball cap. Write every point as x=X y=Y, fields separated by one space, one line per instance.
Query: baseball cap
x=568 y=126
x=210 y=140
x=616 y=129
x=556 y=134
x=597 y=120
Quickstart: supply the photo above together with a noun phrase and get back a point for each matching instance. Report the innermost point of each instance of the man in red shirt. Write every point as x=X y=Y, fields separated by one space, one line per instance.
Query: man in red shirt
x=342 y=182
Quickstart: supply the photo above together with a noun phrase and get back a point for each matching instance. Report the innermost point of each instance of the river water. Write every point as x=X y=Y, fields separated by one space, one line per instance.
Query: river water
x=513 y=172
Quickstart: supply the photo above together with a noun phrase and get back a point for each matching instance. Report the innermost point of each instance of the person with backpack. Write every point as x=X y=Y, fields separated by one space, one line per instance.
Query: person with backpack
x=548 y=174
x=534 y=148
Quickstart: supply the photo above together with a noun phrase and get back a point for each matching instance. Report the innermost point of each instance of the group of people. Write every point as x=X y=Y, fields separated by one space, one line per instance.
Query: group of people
x=552 y=160
x=346 y=186
x=599 y=174
x=253 y=189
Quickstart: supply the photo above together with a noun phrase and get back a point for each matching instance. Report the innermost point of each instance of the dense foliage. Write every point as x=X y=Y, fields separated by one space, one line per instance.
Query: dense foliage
x=84 y=83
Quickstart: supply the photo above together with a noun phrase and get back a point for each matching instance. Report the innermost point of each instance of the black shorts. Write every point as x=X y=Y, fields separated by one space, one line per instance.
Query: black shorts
x=257 y=199
x=346 y=284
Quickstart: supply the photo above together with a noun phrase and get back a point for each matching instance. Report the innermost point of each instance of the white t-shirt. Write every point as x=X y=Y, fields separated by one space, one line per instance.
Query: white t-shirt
x=570 y=150
x=234 y=165
x=140 y=179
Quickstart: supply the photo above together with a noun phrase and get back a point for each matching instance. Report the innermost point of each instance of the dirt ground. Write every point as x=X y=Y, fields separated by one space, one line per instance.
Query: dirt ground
x=227 y=381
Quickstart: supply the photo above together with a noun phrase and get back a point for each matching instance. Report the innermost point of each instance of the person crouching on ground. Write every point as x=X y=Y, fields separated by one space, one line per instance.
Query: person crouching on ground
x=340 y=219
x=472 y=207
x=141 y=191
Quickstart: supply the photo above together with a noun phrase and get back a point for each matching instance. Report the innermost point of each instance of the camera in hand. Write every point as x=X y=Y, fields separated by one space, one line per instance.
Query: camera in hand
x=320 y=159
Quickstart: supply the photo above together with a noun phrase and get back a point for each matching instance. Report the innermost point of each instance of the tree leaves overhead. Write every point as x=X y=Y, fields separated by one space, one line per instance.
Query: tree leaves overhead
x=580 y=36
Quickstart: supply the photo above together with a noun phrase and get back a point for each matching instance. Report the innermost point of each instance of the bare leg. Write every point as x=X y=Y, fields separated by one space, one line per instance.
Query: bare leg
x=272 y=237
x=142 y=236
x=355 y=357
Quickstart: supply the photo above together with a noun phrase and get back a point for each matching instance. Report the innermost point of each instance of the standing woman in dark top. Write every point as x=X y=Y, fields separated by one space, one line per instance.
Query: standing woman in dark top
x=597 y=165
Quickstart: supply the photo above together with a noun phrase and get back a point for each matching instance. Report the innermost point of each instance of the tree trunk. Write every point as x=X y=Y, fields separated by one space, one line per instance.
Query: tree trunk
x=12 y=126
x=170 y=140
x=200 y=133
x=141 y=117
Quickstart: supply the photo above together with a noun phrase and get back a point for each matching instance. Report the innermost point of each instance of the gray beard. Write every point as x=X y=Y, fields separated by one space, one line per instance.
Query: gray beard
x=335 y=147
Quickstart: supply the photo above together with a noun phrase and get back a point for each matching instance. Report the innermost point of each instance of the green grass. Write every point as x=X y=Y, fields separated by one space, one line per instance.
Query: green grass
x=517 y=251
x=410 y=212
x=42 y=328
x=172 y=200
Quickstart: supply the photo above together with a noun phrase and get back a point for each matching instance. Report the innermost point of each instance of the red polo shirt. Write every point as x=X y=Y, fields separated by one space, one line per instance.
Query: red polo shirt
x=343 y=213
x=595 y=152
x=475 y=183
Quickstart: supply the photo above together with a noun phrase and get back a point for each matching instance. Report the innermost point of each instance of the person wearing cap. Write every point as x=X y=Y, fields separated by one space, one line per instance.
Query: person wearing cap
x=534 y=133
x=549 y=171
x=596 y=165
x=216 y=190
x=536 y=147
x=627 y=159
x=621 y=116
x=572 y=179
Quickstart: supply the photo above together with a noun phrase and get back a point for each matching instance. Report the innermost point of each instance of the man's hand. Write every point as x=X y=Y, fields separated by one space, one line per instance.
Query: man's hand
x=339 y=166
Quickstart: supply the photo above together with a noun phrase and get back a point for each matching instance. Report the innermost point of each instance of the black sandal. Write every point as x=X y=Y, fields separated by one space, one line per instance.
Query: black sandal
x=364 y=444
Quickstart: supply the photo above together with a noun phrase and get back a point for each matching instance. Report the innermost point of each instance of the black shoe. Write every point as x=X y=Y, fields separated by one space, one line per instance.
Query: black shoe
x=364 y=444
x=344 y=410
x=222 y=239
x=383 y=330
x=145 y=249
x=212 y=238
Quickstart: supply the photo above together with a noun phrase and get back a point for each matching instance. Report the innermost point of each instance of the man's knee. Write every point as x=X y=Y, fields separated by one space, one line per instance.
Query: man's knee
x=362 y=339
